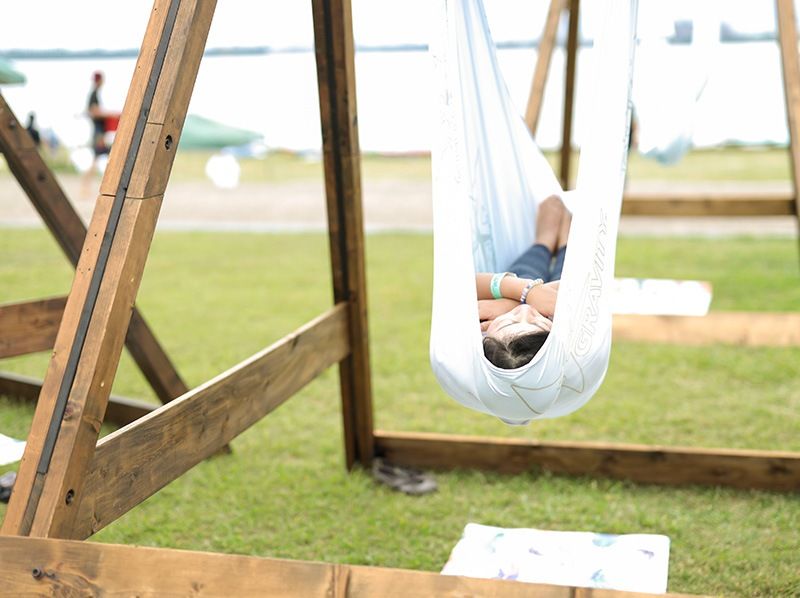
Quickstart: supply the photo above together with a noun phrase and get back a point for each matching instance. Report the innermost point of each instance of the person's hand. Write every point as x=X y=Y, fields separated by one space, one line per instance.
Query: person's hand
x=543 y=298
x=489 y=309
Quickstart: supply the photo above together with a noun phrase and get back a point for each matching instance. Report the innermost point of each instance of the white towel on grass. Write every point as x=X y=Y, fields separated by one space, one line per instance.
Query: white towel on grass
x=11 y=449
x=629 y=562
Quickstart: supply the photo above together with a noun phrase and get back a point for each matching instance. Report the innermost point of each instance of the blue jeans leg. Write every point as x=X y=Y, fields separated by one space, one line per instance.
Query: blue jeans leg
x=558 y=264
x=533 y=263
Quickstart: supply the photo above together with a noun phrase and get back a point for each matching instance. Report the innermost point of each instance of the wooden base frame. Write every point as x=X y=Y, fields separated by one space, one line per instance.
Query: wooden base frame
x=37 y=566
x=70 y=485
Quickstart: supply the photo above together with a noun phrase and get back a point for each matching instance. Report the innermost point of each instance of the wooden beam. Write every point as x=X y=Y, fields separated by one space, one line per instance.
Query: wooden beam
x=120 y=410
x=134 y=462
x=29 y=326
x=708 y=204
x=746 y=329
x=544 y=56
x=787 y=34
x=66 y=226
x=569 y=91
x=33 y=566
x=335 y=51
x=763 y=470
x=40 y=184
x=78 y=382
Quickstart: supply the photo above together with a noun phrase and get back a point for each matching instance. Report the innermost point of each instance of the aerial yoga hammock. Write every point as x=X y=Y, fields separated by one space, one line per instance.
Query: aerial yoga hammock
x=488 y=177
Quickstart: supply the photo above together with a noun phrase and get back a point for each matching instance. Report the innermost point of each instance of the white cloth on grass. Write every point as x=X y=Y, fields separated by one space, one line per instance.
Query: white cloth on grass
x=488 y=177
x=628 y=562
x=11 y=449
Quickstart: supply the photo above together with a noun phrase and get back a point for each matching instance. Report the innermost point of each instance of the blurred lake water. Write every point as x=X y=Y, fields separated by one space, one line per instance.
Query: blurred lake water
x=276 y=95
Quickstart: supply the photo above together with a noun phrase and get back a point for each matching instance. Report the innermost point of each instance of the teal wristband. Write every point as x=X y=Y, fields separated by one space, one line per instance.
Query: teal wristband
x=494 y=286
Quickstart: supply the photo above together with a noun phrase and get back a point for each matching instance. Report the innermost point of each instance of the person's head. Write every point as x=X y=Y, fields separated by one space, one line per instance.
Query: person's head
x=97 y=78
x=515 y=337
x=31 y=118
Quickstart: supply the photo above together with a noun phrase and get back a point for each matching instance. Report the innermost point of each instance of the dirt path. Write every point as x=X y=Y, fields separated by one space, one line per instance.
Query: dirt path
x=388 y=205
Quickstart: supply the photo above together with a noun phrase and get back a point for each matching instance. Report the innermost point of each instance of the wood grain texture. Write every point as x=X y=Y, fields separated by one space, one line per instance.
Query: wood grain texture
x=746 y=329
x=134 y=462
x=544 y=56
x=68 y=229
x=120 y=410
x=98 y=364
x=334 y=47
x=34 y=567
x=62 y=483
x=14 y=521
x=569 y=92
x=171 y=101
x=708 y=204
x=787 y=34
x=29 y=326
x=133 y=101
x=764 y=470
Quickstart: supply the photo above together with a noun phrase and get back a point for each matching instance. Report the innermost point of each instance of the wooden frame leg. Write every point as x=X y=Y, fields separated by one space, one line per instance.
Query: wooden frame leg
x=78 y=382
x=66 y=226
x=333 y=33
x=787 y=33
x=544 y=57
x=569 y=92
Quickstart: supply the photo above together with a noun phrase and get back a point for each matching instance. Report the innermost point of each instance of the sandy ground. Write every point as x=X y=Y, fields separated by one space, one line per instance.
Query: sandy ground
x=388 y=205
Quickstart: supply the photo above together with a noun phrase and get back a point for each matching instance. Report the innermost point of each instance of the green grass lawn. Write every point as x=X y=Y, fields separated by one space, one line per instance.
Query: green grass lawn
x=214 y=299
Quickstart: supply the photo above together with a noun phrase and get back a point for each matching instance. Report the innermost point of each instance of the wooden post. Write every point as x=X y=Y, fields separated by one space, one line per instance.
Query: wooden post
x=569 y=91
x=787 y=32
x=337 y=97
x=60 y=217
x=76 y=388
x=544 y=56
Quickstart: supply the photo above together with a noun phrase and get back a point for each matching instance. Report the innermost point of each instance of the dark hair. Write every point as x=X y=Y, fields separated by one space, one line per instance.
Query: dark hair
x=515 y=352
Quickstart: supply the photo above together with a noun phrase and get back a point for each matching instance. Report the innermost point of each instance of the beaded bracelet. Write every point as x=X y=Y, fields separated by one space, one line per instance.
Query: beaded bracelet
x=528 y=288
x=494 y=286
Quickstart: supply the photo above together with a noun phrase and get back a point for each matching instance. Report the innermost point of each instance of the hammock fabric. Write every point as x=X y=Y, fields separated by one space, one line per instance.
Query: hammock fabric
x=488 y=177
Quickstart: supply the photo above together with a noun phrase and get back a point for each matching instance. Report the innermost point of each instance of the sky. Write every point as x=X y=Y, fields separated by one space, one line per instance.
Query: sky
x=90 y=24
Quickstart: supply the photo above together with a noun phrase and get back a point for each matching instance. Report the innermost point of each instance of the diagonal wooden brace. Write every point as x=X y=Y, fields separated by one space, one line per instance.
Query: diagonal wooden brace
x=66 y=226
x=89 y=342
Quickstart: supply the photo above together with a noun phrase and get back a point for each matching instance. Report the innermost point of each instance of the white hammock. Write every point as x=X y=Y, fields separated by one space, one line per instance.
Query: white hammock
x=488 y=176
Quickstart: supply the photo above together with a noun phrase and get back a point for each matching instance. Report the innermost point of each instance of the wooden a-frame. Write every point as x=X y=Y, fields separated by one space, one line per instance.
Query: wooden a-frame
x=750 y=328
x=708 y=203
x=31 y=326
x=70 y=485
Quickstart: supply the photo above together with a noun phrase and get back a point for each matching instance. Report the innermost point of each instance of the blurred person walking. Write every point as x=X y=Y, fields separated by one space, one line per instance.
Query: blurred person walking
x=98 y=116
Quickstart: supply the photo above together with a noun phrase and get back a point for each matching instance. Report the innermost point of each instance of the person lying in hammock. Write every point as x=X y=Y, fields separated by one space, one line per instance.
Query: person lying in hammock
x=516 y=307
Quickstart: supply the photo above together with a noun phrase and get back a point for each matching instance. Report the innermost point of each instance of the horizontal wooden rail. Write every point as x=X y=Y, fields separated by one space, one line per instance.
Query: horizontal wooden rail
x=134 y=462
x=120 y=410
x=765 y=470
x=29 y=326
x=710 y=203
x=747 y=329
x=35 y=566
